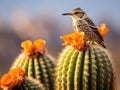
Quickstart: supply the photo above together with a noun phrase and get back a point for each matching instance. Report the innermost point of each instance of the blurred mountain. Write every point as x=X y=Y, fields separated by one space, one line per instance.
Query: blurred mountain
x=9 y=48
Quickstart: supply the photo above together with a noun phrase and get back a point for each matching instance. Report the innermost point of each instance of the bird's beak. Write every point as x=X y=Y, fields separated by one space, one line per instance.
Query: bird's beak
x=67 y=14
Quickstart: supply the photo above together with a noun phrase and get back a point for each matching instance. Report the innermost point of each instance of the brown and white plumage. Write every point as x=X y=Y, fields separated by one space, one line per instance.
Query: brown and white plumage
x=82 y=23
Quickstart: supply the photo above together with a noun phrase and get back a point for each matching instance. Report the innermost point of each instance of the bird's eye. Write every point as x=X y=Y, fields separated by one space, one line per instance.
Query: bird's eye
x=77 y=12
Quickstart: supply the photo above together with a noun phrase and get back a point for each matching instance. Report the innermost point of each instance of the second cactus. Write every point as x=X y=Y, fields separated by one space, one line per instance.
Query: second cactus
x=36 y=63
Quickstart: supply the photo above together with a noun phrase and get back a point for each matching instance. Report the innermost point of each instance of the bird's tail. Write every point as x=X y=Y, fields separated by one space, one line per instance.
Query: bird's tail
x=102 y=44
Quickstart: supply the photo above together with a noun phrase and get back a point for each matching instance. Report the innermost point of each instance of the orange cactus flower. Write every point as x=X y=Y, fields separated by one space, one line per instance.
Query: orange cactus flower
x=18 y=72
x=103 y=29
x=67 y=39
x=40 y=45
x=13 y=78
x=74 y=39
x=27 y=45
x=37 y=46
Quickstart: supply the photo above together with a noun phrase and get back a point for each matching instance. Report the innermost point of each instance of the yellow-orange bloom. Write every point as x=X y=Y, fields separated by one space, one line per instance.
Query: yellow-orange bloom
x=13 y=78
x=103 y=29
x=74 y=39
x=27 y=45
x=37 y=46
x=18 y=72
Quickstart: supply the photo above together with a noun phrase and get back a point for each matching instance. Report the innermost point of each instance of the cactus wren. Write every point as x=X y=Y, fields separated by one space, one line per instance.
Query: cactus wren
x=82 y=23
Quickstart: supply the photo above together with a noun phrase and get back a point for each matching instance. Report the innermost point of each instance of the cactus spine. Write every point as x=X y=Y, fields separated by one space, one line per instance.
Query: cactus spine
x=29 y=84
x=38 y=66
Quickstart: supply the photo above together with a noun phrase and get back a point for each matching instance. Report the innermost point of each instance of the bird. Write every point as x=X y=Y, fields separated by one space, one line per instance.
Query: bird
x=82 y=23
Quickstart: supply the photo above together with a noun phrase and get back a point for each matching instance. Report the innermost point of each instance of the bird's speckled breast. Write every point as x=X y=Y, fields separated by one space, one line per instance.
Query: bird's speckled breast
x=82 y=26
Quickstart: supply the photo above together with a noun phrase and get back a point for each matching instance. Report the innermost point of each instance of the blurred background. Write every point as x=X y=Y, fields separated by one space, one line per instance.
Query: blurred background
x=42 y=19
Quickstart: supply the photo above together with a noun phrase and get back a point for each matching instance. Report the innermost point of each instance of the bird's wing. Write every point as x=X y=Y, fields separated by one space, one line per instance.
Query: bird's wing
x=94 y=28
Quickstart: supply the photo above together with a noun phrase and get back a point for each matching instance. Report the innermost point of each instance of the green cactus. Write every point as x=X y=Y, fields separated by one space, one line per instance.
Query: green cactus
x=38 y=66
x=83 y=66
x=89 y=69
x=29 y=84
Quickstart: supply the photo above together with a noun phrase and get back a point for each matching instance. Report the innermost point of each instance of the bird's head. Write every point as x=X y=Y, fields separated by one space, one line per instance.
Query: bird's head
x=76 y=13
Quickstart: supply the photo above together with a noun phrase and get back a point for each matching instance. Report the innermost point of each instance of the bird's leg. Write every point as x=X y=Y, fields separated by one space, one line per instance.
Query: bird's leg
x=86 y=45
